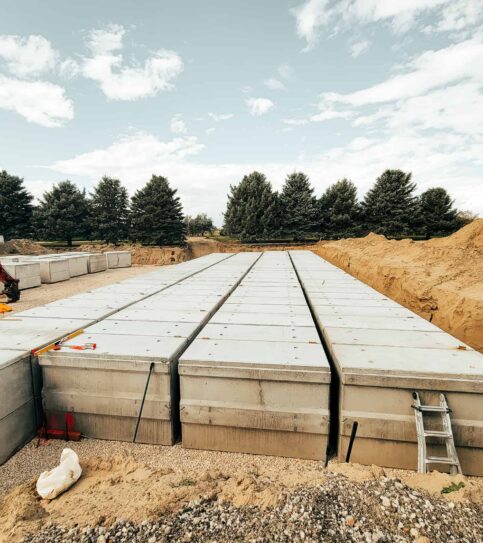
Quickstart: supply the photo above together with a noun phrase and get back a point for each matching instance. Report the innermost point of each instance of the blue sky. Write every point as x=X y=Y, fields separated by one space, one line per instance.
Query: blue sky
x=204 y=92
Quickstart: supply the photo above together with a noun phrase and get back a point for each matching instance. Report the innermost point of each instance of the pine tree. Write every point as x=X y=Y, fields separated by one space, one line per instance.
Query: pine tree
x=109 y=211
x=437 y=214
x=390 y=207
x=339 y=210
x=157 y=214
x=252 y=209
x=299 y=207
x=15 y=207
x=63 y=213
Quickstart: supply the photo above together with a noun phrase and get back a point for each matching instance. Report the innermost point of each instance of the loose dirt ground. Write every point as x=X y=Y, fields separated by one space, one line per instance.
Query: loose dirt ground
x=143 y=482
x=440 y=279
x=44 y=294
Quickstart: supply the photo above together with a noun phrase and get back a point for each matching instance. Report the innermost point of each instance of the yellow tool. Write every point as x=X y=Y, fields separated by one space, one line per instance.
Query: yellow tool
x=57 y=344
x=4 y=308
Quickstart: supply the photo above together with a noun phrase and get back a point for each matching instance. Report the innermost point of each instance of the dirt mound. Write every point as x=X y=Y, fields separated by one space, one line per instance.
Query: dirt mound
x=440 y=279
x=21 y=247
x=121 y=487
x=142 y=255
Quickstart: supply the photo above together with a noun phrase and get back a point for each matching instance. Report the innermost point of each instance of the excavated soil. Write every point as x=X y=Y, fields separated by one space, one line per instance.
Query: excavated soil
x=440 y=279
x=22 y=247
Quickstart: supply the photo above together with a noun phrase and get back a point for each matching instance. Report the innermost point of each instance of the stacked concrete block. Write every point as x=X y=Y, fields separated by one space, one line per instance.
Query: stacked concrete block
x=28 y=273
x=104 y=388
x=118 y=259
x=96 y=262
x=382 y=353
x=256 y=380
x=54 y=270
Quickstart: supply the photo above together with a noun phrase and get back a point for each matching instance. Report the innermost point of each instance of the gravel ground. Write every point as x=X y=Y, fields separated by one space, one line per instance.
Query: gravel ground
x=44 y=294
x=338 y=510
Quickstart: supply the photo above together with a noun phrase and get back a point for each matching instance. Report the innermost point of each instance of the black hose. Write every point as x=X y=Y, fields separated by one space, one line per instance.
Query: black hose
x=151 y=367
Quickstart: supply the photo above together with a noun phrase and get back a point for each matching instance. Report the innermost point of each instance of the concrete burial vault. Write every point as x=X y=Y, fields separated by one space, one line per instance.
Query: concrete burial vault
x=273 y=353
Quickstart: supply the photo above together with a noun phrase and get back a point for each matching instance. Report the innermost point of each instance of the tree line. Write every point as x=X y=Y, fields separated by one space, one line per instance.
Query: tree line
x=153 y=216
x=255 y=211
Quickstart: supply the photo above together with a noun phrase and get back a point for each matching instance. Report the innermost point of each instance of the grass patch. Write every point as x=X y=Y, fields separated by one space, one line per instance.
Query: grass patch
x=453 y=487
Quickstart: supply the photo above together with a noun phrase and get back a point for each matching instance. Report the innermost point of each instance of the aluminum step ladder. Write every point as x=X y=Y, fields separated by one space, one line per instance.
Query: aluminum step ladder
x=446 y=435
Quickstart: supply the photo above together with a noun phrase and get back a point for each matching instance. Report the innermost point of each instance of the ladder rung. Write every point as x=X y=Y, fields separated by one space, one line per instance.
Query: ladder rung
x=433 y=409
x=436 y=433
x=440 y=460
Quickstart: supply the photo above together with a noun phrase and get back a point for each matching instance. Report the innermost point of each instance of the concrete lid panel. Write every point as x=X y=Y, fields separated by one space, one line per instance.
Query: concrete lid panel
x=286 y=309
x=276 y=319
x=160 y=315
x=247 y=332
x=127 y=347
x=416 y=362
x=32 y=333
x=266 y=300
x=87 y=313
x=258 y=354
x=362 y=310
x=378 y=323
x=395 y=338
x=9 y=357
x=143 y=328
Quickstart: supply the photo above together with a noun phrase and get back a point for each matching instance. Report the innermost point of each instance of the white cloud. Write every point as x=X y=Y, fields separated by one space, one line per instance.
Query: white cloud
x=359 y=47
x=177 y=125
x=120 y=82
x=140 y=151
x=37 y=101
x=435 y=161
x=218 y=117
x=210 y=130
x=310 y=16
x=259 y=106
x=448 y=15
x=274 y=84
x=27 y=57
x=431 y=69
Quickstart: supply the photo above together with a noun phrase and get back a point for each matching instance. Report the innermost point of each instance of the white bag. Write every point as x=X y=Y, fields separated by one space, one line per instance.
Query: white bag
x=52 y=483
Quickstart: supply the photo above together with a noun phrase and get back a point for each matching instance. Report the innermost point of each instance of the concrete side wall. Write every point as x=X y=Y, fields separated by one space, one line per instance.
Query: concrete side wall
x=54 y=271
x=27 y=273
x=17 y=414
x=105 y=401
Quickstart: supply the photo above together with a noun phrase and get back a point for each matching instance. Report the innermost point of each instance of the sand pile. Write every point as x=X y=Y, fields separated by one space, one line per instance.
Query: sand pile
x=440 y=279
x=21 y=247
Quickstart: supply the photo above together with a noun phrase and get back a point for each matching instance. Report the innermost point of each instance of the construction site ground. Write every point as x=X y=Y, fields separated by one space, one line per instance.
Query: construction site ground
x=132 y=492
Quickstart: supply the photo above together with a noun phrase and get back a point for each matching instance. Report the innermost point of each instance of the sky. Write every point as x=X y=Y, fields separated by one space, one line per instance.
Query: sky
x=206 y=92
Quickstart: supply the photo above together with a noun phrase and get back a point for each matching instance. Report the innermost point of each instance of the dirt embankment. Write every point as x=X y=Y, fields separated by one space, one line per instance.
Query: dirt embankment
x=440 y=279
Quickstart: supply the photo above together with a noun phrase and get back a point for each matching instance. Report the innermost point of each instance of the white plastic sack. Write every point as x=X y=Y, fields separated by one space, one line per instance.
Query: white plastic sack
x=52 y=483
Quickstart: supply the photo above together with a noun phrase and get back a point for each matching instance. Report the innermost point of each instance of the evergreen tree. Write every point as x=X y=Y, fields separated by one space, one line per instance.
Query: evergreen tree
x=199 y=225
x=252 y=209
x=390 y=207
x=437 y=214
x=157 y=214
x=298 y=207
x=15 y=207
x=339 y=210
x=63 y=213
x=109 y=211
